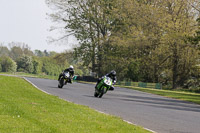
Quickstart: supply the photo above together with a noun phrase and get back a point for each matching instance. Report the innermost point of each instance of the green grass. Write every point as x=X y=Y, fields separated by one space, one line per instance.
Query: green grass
x=25 y=109
x=186 y=96
x=23 y=74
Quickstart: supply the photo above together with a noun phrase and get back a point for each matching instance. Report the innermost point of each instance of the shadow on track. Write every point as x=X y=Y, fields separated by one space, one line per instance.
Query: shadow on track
x=163 y=103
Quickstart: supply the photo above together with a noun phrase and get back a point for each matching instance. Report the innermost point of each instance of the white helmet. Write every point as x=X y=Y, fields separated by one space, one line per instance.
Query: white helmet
x=71 y=67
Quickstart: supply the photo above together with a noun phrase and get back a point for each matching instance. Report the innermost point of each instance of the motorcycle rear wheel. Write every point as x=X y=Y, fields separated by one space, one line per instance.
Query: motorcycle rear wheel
x=61 y=83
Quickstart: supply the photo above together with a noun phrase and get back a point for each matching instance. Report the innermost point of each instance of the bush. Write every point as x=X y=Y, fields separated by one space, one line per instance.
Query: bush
x=7 y=64
x=25 y=64
x=193 y=83
x=51 y=67
x=37 y=65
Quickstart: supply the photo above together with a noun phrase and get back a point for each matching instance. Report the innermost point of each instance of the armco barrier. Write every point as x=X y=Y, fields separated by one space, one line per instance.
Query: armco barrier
x=86 y=78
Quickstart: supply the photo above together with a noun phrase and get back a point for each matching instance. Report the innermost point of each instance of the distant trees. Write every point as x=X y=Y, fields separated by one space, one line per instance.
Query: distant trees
x=39 y=53
x=21 y=59
x=4 y=51
x=19 y=49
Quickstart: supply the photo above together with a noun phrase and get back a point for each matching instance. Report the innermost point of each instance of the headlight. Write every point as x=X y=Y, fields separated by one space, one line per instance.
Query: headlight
x=108 y=81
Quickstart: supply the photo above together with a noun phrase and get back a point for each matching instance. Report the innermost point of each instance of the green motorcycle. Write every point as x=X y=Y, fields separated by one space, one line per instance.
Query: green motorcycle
x=103 y=86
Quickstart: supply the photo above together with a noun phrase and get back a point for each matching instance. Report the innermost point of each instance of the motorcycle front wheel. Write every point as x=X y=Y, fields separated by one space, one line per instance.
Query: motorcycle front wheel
x=96 y=94
x=102 y=92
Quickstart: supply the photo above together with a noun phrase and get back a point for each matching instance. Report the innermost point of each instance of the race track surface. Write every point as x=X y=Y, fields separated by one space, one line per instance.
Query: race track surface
x=157 y=113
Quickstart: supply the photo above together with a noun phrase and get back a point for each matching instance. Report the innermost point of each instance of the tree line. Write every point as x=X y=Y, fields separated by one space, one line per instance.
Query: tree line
x=19 y=58
x=143 y=40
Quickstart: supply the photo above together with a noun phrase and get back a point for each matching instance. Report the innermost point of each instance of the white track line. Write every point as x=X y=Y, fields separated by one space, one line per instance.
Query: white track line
x=36 y=86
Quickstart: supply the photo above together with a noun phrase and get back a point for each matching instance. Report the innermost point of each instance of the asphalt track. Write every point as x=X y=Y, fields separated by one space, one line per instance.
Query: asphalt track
x=157 y=113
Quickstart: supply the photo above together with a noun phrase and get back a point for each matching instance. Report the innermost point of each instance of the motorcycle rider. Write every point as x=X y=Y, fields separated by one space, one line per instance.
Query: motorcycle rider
x=112 y=75
x=71 y=73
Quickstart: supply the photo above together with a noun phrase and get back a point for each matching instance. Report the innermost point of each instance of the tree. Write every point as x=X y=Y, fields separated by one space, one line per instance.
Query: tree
x=51 y=67
x=39 y=53
x=146 y=38
x=26 y=50
x=178 y=25
x=90 y=22
x=196 y=38
x=157 y=32
x=19 y=49
x=4 y=51
x=46 y=53
x=7 y=64
x=24 y=64
x=37 y=65
x=16 y=52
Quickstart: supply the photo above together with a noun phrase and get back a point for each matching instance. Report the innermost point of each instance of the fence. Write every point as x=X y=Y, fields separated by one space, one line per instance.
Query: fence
x=140 y=84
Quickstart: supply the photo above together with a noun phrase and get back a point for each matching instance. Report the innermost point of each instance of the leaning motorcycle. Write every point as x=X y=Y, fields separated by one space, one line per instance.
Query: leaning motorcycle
x=64 y=79
x=103 y=86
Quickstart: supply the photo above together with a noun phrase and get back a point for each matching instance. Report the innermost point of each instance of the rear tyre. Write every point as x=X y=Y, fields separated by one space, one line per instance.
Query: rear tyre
x=61 y=83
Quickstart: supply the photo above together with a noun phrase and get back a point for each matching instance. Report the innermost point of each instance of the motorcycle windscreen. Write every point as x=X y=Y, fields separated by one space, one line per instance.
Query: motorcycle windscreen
x=108 y=81
x=67 y=75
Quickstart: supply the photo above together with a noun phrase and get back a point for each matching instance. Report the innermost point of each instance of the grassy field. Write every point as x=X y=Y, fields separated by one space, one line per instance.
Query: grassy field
x=24 y=109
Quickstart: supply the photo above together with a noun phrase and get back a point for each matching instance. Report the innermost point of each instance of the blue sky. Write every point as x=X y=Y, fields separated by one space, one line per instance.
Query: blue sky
x=26 y=21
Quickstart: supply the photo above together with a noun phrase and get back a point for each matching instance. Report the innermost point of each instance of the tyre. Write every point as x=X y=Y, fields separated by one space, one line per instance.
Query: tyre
x=101 y=93
x=100 y=96
x=96 y=94
x=61 y=83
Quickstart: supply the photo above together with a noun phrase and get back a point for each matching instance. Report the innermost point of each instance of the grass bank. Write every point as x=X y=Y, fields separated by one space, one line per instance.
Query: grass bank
x=25 y=109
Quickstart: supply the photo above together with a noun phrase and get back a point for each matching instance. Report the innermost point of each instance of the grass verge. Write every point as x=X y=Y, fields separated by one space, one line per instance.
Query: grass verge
x=186 y=96
x=22 y=74
x=25 y=109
